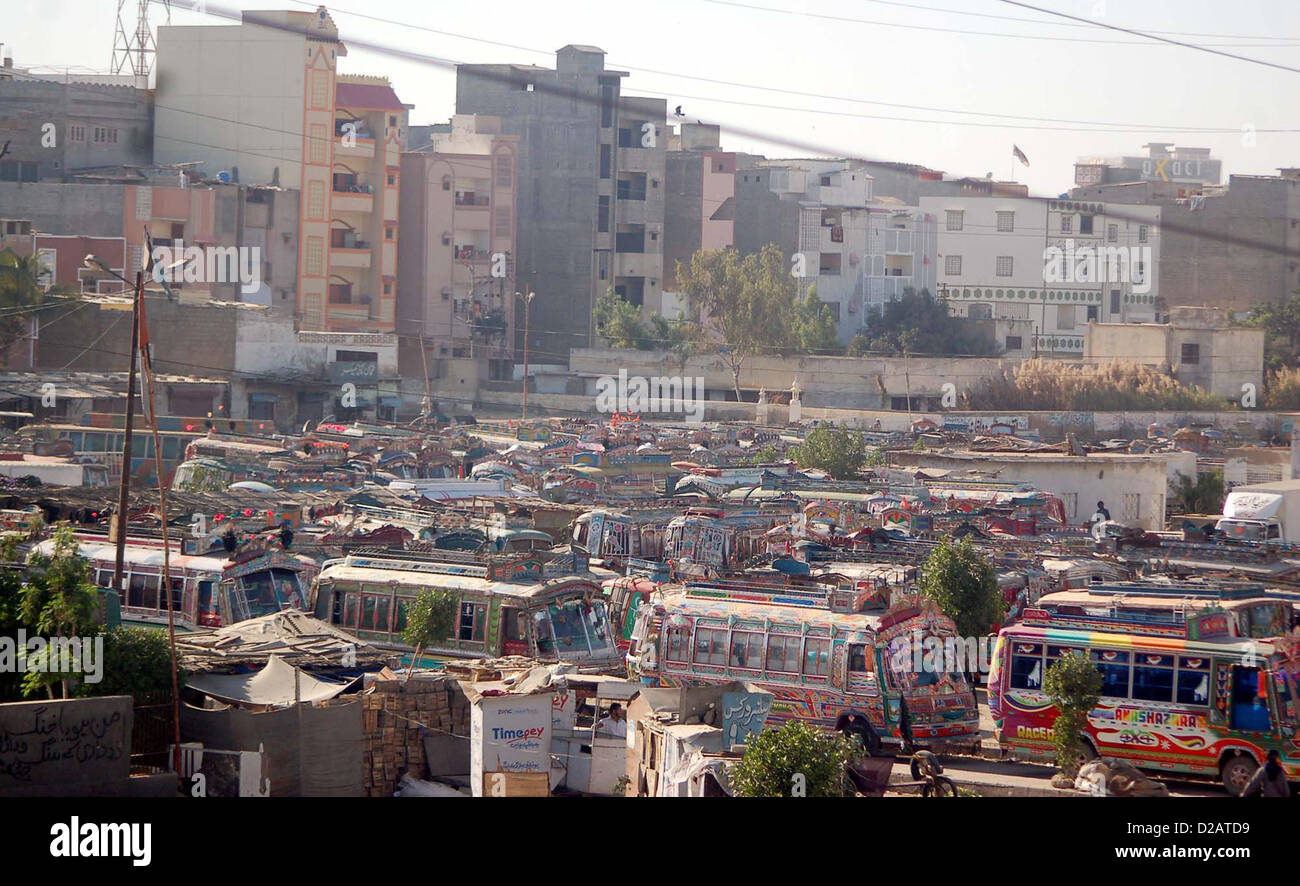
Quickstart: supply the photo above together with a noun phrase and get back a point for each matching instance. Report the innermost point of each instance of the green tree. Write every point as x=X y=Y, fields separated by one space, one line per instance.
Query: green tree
x=814 y=327
x=22 y=287
x=618 y=322
x=796 y=760
x=744 y=304
x=58 y=600
x=1280 y=321
x=11 y=602
x=1202 y=494
x=137 y=661
x=964 y=584
x=840 y=452
x=918 y=323
x=1074 y=685
x=430 y=619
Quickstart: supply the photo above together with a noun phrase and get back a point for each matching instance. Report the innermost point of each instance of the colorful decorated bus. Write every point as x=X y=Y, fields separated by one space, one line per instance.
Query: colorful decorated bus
x=549 y=608
x=824 y=659
x=1212 y=706
x=207 y=590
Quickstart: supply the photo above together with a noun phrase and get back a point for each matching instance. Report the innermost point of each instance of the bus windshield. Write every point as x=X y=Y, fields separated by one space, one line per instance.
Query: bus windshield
x=917 y=662
x=572 y=628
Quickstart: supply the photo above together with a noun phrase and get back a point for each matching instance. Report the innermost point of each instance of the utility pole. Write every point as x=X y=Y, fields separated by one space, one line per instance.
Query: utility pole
x=124 y=483
x=428 y=394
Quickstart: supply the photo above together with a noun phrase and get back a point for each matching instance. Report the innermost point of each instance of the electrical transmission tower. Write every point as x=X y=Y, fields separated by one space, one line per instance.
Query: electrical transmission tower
x=133 y=48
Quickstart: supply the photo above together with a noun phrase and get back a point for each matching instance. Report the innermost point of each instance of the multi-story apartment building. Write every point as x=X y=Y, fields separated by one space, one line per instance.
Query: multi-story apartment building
x=54 y=129
x=856 y=250
x=457 y=276
x=1236 y=247
x=590 y=192
x=1058 y=264
x=262 y=101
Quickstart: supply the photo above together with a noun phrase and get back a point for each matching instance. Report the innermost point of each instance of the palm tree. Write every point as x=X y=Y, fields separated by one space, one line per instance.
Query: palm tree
x=21 y=289
x=1202 y=494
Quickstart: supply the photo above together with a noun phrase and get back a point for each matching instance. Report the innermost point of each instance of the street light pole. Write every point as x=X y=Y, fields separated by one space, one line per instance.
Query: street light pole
x=528 y=301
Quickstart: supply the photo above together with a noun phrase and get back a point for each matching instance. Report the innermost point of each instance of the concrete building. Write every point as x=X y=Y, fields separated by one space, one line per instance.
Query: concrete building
x=457 y=276
x=1199 y=345
x=1056 y=263
x=55 y=130
x=1190 y=168
x=1132 y=486
x=212 y=214
x=591 y=187
x=262 y=102
x=1234 y=248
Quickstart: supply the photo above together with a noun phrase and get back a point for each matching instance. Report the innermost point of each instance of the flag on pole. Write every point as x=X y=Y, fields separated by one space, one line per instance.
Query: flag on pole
x=1019 y=154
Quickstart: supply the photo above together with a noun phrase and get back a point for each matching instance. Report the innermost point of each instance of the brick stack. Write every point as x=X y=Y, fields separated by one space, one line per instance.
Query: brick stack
x=391 y=712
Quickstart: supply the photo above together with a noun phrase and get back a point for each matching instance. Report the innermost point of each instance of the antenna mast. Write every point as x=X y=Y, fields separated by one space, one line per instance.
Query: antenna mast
x=134 y=48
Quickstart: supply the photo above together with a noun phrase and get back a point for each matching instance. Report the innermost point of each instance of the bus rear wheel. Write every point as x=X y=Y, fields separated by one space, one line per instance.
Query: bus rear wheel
x=1236 y=772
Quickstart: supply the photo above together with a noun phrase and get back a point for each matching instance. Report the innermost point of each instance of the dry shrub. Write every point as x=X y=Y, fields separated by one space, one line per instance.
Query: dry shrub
x=1050 y=385
x=1283 y=388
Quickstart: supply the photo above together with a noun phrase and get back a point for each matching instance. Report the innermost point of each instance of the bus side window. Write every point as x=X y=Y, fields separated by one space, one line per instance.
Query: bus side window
x=1249 y=701
x=859 y=660
x=1026 y=666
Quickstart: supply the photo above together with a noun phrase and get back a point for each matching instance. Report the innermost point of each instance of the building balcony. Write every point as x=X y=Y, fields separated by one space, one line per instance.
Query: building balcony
x=470 y=253
x=472 y=201
x=356 y=200
x=359 y=149
x=350 y=257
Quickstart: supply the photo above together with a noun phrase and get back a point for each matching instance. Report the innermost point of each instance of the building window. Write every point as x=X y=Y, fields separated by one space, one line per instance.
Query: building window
x=501 y=222
x=392 y=121
x=602 y=215
x=505 y=171
x=1190 y=354
x=388 y=233
x=1142 y=233
x=1004 y=265
x=1014 y=343
x=77 y=133
x=1065 y=316
x=315 y=254
x=1112 y=233
x=388 y=289
x=1085 y=224
x=1093 y=313
x=952 y=265
x=1006 y=221
x=1114 y=301
x=1131 y=505
x=955 y=219
x=392 y=179
x=605 y=162
x=1067 y=224
x=446 y=182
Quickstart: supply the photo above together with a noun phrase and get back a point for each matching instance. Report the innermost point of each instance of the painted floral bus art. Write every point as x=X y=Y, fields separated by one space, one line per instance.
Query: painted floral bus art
x=1213 y=706
x=550 y=609
x=824 y=659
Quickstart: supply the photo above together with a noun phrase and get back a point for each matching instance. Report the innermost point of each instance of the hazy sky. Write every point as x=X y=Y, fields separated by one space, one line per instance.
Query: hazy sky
x=873 y=78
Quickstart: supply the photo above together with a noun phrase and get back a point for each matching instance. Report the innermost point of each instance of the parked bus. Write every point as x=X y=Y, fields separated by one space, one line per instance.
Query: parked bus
x=206 y=590
x=1212 y=706
x=104 y=446
x=824 y=659
x=508 y=604
x=1244 y=610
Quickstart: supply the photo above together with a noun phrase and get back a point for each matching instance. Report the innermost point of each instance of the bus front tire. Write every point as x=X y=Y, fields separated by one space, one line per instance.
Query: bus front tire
x=1236 y=772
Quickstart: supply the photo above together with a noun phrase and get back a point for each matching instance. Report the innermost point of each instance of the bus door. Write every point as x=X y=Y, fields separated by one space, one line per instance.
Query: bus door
x=514 y=631
x=234 y=605
x=1248 y=703
x=859 y=678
